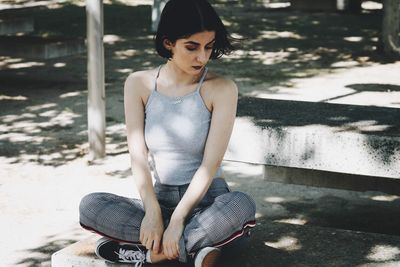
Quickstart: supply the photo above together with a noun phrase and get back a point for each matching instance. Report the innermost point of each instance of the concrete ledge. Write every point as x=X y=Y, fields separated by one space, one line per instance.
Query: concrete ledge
x=12 y=25
x=317 y=136
x=40 y=48
x=331 y=179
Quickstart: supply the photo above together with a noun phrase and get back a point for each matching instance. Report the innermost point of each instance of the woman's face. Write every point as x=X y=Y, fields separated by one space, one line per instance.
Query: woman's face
x=191 y=54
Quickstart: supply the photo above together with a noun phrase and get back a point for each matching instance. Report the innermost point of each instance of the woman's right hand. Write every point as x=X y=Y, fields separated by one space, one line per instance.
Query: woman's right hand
x=151 y=231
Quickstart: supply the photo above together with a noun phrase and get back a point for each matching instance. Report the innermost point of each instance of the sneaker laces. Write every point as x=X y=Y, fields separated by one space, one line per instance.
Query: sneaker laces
x=132 y=256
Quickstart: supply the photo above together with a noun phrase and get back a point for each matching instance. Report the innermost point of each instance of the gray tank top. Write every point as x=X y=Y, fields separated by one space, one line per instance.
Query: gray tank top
x=176 y=130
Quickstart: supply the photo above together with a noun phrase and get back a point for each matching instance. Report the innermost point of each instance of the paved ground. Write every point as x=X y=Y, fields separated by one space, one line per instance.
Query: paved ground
x=297 y=225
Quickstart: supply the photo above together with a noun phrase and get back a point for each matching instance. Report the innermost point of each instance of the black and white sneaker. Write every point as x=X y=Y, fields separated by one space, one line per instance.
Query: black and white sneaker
x=113 y=251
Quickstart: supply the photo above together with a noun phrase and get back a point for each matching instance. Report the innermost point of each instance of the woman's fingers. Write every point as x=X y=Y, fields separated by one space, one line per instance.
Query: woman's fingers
x=170 y=250
x=166 y=250
x=149 y=243
x=156 y=245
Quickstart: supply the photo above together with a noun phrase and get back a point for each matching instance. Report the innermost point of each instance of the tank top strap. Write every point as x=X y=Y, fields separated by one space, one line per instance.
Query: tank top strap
x=202 y=79
x=156 y=77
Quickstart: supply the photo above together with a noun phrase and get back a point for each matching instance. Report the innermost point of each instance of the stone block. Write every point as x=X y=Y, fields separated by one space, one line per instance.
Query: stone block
x=317 y=136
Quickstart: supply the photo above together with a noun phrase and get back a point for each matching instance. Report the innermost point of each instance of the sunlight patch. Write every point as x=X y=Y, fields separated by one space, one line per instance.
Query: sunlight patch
x=383 y=253
x=345 y=64
x=286 y=243
x=112 y=39
x=124 y=54
x=232 y=184
x=371 y=5
x=276 y=5
x=127 y=70
x=274 y=199
x=258 y=215
x=296 y=221
x=60 y=64
x=283 y=34
x=385 y=198
x=25 y=65
x=17 y=98
x=43 y=106
x=71 y=94
x=353 y=39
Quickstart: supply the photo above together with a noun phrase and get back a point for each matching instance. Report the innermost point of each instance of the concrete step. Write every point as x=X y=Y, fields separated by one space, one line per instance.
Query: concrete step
x=275 y=244
x=360 y=140
x=10 y=25
x=40 y=47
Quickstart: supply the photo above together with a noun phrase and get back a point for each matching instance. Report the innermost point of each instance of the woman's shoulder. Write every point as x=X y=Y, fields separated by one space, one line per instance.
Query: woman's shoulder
x=141 y=80
x=220 y=85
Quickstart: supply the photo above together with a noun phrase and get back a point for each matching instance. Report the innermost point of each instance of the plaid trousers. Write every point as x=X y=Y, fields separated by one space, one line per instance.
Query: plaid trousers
x=221 y=216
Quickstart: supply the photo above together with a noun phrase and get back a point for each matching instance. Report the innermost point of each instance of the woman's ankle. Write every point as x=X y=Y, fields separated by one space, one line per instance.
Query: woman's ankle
x=157 y=257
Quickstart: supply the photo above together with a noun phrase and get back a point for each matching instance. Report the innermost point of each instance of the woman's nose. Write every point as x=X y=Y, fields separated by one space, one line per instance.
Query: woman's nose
x=202 y=56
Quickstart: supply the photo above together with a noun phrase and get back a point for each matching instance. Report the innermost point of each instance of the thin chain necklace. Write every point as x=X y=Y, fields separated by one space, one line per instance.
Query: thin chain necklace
x=179 y=99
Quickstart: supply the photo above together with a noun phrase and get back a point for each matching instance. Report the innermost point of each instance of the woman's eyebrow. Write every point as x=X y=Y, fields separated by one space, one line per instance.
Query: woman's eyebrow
x=195 y=43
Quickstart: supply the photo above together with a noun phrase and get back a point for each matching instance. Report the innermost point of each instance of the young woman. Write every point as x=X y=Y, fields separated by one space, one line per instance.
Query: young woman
x=179 y=119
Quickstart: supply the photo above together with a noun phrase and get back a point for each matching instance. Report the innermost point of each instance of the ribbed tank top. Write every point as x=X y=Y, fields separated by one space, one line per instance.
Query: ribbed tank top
x=176 y=130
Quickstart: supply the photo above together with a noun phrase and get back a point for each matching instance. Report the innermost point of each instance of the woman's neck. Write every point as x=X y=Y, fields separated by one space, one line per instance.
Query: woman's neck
x=177 y=77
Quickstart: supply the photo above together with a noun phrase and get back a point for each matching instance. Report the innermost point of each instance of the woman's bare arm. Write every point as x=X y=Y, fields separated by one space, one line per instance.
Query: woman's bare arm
x=223 y=116
x=152 y=228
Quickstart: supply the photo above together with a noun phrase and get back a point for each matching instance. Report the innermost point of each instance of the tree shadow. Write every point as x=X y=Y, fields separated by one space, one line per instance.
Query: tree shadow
x=279 y=45
x=366 y=87
x=309 y=226
x=275 y=244
x=41 y=255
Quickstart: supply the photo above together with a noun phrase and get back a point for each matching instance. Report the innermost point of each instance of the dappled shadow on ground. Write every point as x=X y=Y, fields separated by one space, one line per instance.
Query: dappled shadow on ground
x=43 y=102
x=367 y=87
x=41 y=255
x=275 y=244
x=373 y=212
x=282 y=45
x=296 y=226
x=308 y=226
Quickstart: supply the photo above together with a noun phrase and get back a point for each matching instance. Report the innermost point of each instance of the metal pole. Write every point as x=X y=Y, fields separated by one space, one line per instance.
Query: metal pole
x=96 y=92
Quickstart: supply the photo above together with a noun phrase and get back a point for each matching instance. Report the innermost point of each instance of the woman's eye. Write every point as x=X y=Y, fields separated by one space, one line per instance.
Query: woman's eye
x=190 y=48
x=209 y=48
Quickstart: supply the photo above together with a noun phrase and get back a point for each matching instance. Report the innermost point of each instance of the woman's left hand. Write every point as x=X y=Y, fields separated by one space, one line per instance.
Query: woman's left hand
x=171 y=238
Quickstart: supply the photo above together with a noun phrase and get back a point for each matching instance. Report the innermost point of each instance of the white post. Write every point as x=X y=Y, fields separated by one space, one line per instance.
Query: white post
x=96 y=92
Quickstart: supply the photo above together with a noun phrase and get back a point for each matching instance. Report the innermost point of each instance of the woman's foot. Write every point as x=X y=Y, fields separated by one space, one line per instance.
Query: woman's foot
x=113 y=251
x=206 y=257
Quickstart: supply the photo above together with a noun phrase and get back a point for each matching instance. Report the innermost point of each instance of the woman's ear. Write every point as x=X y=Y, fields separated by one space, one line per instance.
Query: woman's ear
x=167 y=44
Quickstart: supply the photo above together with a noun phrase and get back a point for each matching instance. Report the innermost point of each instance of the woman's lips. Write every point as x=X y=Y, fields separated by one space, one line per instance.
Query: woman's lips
x=197 y=67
